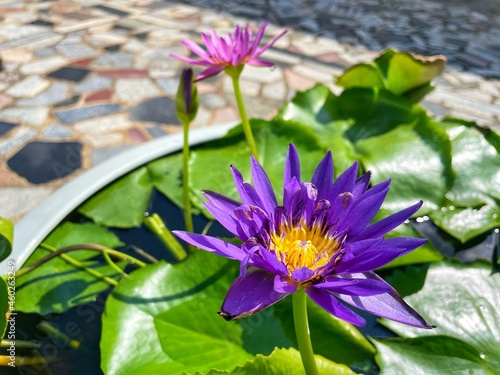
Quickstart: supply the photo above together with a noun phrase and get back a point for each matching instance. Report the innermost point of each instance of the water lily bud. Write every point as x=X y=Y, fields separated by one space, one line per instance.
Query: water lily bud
x=186 y=101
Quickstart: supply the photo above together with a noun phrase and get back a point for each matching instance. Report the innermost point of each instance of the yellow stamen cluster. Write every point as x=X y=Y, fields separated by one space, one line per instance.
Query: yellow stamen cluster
x=299 y=246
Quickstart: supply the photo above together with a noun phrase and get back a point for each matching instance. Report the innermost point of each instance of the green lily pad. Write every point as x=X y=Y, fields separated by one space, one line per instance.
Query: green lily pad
x=166 y=175
x=466 y=223
x=361 y=75
x=272 y=138
x=417 y=161
x=463 y=301
x=284 y=362
x=6 y=236
x=430 y=355
x=4 y=306
x=56 y=285
x=123 y=203
x=332 y=338
x=476 y=163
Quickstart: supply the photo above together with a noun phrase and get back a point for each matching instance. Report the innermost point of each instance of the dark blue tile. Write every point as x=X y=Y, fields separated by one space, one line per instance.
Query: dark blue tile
x=113 y=48
x=72 y=115
x=159 y=110
x=70 y=73
x=42 y=162
x=68 y=102
x=6 y=127
x=41 y=23
x=115 y=11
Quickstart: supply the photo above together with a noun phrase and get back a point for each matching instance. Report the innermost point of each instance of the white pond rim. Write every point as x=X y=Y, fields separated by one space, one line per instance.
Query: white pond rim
x=41 y=220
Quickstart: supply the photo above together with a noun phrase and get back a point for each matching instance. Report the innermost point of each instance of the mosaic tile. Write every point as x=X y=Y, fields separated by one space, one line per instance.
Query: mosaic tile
x=99 y=96
x=15 y=202
x=156 y=131
x=76 y=51
x=44 y=52
x=170 y=85
x=115 y=60
x=4 y=101
x=158 y=110
x=136 y=135
x=20 y=137
x=31 y=116
x=135 y=90
x=212 y=101
x=6 y=127
x=68 y=102
x=56 y=93
x=103 y=154
x=28 y=87
x=16 y=55
x=56 y=131
x=83 y=63
x=111 y=10
x=42 y=162
x=103 y=124
x=43 y=66
x=113 y=48
x=93 y=84
x=123 y=73
x=70 y=73
x=73 y=115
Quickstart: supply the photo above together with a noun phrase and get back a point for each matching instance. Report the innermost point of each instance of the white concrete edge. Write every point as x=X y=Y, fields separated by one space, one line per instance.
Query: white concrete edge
x=41 y=220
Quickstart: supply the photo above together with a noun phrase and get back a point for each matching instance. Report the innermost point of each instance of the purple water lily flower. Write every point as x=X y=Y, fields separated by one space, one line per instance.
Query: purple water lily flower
x=233 y=50
x=320 y=239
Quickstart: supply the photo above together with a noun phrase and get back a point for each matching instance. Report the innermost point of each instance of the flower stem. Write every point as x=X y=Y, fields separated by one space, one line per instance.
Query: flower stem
x=188 y=218
x=244 y=119
x=156 y=225
x=302 y=332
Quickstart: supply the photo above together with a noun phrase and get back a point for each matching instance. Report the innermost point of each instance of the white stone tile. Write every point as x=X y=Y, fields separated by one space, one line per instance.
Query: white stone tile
x=134 y=90
x=43 y=66
x=28 y=87
x=103 y=125
x=33 y=116
x=15 y=202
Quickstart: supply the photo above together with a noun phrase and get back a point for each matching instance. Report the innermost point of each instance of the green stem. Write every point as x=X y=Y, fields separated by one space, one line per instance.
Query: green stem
x=20 y=344
x=156 y=225
x=302 y=332
x=243 y=114
x=188 y=219
x=55 y=334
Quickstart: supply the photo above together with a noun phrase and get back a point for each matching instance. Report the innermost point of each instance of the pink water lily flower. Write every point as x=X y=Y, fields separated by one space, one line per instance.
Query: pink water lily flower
x=233 y=50
x=320 y=239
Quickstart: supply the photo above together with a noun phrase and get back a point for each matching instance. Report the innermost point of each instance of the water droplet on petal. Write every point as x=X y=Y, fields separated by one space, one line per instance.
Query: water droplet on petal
x=407 y=221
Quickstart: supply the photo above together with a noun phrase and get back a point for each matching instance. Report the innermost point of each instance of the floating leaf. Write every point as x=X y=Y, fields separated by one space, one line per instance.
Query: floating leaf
x=476 y=163
x=284 y=362
x=466 y=223
x=430 y=355
x=415 y=159
x=4 y=306
x=57 y=285
x=123 y=203
x=166 y=175
x=464 y=303
x=361 y=75
x=6 y=236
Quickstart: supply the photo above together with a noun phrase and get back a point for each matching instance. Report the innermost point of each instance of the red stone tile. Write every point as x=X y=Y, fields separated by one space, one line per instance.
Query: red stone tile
x=135 y=135
x=99 y=96
x=4 y=100
x=123 y=73
x=329 y=57
x=83 y=62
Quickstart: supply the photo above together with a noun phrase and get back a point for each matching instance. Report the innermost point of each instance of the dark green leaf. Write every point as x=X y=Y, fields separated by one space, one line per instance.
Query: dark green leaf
x=464 y=302
x=430 y=355
x=123 y=203
x=176 y=306
x=56 y=285
x=332 y=338
x=417 y=159
x=6 y=236
x=476 y=163
x=166 y=175
x=4 y=306
x=466 y=223
x=284 y=362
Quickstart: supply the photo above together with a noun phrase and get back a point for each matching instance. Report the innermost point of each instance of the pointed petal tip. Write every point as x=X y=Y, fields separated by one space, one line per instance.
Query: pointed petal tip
x=226 y=316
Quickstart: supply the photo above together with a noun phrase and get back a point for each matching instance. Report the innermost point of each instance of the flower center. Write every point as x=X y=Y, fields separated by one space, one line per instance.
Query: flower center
x=302 y=246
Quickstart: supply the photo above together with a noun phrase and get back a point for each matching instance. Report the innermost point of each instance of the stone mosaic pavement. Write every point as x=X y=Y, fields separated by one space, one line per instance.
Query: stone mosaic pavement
x=83 y=80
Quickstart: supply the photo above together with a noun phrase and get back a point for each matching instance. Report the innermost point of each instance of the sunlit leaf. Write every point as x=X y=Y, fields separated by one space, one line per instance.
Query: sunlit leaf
x=6 y=236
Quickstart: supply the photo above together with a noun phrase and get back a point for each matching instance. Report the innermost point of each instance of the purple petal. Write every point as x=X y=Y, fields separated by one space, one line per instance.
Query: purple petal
x=195 y=48
x=323 y=175
x=283 y=284
x=258 y=37
x=366 y=257
x=257 y=62
x=224 y=217
x=329 y=303
x=389 y=223
x=210 y=71
x=345 y=182
x=354 y=286
x=247 y=194
x=292 y=165
x=387 y=305
x=290 y=192
x=191 y=60
x=212 y=244
x=269 y=45
x=361 y=184
x=302 y=274
x=221 y=201
x=263 y=186
x=250 y=294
